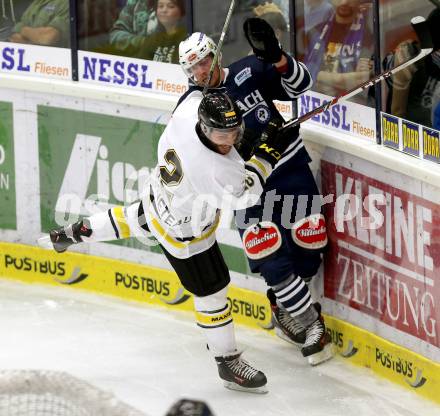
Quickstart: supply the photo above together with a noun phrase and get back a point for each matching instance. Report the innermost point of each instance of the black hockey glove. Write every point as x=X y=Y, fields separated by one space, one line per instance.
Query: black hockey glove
x=247 y=143
x=262 y=39
x=274 y=141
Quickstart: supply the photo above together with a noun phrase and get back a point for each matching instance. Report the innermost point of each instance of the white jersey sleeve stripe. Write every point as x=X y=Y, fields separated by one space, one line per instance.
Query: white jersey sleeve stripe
x=299 y=82
x=300 y=77
x=305 y=75
x=295 y=72
x=289 y=90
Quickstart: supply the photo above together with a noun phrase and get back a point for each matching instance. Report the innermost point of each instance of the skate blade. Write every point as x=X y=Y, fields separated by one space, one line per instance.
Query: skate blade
x=256 y=390
x=320 y=357
x=45 y=242
x=283 y=336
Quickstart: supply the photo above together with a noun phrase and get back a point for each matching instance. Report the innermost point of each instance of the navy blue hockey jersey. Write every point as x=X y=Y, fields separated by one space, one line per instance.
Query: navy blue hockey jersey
x=254 y=84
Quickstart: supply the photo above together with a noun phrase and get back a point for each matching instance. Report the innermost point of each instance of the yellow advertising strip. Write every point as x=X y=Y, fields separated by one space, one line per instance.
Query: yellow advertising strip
x=162 y=287
x=97 y=274
x=389 y=360
x=118 y=278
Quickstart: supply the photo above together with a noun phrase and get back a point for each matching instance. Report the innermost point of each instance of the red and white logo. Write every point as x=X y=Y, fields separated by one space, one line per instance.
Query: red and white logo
x=192 y=57
x=261 y=240
x=310 y=232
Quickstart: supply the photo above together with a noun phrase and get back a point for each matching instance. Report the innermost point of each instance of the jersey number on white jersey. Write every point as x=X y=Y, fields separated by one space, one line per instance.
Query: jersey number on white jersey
x=173 y=176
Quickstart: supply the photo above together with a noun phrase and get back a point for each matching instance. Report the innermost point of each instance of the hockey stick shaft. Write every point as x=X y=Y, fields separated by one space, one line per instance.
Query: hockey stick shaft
x=420 y=26
x=219 y=45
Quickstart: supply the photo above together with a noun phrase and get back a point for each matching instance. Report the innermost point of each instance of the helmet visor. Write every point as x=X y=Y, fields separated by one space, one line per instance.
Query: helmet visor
x=200 y=69
x=222 y=137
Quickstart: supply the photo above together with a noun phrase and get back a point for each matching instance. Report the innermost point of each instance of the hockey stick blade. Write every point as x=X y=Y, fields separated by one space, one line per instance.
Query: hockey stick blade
x=420 y=27
x=219 y=46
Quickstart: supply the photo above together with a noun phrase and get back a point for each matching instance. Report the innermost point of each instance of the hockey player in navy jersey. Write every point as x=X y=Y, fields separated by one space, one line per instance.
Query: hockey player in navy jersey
x=284 y=236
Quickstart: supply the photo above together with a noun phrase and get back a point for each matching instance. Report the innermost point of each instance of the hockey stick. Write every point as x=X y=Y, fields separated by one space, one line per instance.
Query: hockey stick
x=420 y=27
x=219 y=45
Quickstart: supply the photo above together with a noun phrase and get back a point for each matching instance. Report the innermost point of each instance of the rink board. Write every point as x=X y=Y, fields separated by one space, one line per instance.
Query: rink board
x=125 y=280
x=394 y=362
x=51 y=127
x=159 y=287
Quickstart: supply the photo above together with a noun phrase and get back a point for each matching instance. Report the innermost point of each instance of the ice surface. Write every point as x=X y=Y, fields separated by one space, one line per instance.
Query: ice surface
x=150 y=357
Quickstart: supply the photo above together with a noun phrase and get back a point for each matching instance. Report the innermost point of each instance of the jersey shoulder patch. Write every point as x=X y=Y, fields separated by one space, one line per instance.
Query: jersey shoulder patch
x=242 y=76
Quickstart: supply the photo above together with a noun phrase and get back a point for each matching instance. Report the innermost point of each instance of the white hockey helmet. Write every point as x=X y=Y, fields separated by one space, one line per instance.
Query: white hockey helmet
x=193 y=49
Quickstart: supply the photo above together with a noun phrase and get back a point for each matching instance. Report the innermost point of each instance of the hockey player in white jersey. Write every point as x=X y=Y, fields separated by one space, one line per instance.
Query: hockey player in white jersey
x=198 y=166
x=253 y=82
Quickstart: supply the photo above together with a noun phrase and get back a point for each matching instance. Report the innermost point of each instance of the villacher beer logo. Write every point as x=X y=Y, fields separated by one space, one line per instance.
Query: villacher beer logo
x=261 y=240
x=311 y=232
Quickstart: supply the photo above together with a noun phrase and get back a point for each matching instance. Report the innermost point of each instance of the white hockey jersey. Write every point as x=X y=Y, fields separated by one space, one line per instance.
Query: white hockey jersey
x=191 y=184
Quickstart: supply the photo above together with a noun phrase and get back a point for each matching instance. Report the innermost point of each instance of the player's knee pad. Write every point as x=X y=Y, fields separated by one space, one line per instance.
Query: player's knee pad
x=309 y=236
x=267 y=252
x=310 y=232
x=213 y=310
x=261 y=240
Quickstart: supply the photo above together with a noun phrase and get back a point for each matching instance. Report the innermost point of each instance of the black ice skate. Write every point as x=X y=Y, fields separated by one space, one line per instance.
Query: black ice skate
x=64 y=237
x=318 y=346
x=286 y=327
x=238 y=374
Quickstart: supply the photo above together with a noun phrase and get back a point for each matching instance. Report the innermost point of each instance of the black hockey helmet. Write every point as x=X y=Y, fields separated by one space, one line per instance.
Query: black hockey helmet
x=220 y=119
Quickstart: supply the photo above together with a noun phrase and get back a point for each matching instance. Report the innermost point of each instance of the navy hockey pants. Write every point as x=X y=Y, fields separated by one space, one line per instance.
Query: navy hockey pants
x=297 y=184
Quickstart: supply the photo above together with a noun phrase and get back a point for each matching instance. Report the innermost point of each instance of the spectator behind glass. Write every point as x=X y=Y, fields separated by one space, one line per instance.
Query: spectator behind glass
x=284 y=7
x=44 y=22
x=273 y=15
x=316 y=12
x=136 y=21
x=414 y=91
x=339 y=49
x=7 y=20
x=163 y=44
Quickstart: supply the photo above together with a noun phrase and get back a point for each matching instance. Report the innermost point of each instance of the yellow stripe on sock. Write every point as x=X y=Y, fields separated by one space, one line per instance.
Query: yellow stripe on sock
x=118 y=214
x=212 y=320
